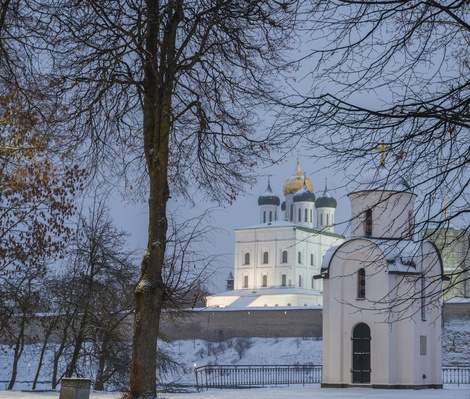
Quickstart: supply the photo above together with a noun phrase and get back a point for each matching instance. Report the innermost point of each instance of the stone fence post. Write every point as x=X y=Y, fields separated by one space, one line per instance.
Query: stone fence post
x=75 y=388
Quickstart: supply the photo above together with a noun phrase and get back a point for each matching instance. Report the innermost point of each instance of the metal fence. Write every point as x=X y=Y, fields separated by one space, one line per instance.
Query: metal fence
x=260 y=376
x=252 y=376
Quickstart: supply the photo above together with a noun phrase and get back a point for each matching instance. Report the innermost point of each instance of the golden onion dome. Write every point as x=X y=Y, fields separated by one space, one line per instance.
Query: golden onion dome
x=296 y=181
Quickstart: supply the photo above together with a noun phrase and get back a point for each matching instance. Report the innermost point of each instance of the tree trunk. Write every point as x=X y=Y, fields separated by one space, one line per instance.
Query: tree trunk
x=60 y=350
x=99 y=382
x=41 y=357
x=78 y=345
x=19 y=346
x=150 y=292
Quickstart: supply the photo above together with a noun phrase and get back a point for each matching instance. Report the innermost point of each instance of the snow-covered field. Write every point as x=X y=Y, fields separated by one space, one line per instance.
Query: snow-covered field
x=248 y=351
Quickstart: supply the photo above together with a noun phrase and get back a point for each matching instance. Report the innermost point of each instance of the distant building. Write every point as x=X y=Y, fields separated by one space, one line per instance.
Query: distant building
x=453 y=245
x=276 y=260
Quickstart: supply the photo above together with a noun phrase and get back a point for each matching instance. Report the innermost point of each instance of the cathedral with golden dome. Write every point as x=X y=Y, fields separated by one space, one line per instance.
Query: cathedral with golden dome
x=276 y=260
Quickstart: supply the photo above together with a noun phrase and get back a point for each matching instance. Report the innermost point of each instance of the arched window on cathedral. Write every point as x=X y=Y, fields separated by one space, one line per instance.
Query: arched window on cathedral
x=300 y=215
x=313 y=282
x=264 y=216
x=245 y=281
x=361 y=284
x=300 y=281
x=311 y=216
x=306 y=215
x=321 y=219
x=291 y=213
x=265 y=257
x=311 y=259
x=368 y=223
x=284 y=256
x=299 y=257
x=265 y=280
x=247 y=258
x=283 y=280
x=270 y=216
x=327 y=219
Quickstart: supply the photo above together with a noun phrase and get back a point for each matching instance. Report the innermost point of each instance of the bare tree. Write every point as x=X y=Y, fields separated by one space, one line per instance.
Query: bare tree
x=172 y=85
x=390 y=82
x=103 y=277
x=20 y=300
x=395 y=72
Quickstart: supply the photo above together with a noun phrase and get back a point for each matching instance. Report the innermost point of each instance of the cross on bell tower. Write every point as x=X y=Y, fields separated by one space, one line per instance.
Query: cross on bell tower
x=382 y=148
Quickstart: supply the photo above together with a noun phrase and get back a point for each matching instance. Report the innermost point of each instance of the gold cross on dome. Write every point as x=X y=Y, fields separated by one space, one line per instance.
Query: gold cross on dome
x=382 y=148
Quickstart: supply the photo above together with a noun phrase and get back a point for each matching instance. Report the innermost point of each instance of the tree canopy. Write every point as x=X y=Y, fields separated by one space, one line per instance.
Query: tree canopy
x=393 y=72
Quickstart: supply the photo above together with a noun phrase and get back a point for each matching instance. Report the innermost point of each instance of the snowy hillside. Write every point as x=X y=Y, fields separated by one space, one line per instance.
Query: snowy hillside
x=241 y=351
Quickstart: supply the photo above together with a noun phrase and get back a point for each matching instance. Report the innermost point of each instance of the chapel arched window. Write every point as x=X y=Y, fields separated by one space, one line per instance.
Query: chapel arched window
x=361 y=284
x=368 y=223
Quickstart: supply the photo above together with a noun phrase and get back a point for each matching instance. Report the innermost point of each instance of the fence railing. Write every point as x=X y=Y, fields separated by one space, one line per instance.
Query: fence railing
x=260 y=376
x=251 y=376
x=456 y=375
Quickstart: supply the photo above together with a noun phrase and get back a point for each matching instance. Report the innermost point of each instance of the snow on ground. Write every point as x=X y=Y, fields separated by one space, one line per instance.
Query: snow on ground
x=293 y=392
x=248 y=351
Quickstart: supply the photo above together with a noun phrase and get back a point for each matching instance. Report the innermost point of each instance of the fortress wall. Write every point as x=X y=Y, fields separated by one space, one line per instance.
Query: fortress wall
x=217 y=324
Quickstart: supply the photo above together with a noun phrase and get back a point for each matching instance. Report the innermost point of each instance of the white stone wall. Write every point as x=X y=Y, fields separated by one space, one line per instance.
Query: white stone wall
x=392 y=213
x=392 y=310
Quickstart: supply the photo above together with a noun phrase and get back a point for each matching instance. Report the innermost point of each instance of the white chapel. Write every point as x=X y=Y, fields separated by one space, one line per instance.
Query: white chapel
x=276 y=259
x=382 y=307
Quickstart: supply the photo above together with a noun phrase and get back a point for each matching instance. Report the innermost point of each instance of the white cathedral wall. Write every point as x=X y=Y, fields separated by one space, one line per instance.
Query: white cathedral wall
x=275 y=240
x=256 y=242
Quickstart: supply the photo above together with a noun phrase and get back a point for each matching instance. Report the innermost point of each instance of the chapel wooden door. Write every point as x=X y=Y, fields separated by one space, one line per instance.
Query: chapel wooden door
x=361 y=354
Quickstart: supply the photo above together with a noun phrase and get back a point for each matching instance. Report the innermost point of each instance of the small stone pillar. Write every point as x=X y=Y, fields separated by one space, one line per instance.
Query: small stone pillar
x=75 y=388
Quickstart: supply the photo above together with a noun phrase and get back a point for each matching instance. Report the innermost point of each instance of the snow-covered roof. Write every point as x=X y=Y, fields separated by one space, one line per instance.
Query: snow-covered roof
x=399 y=254
x=274 y=223
x=249 y=298
x=266 y=291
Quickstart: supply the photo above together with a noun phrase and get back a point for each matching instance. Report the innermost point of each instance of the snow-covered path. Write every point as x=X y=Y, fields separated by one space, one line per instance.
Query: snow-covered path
x=296 y=392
